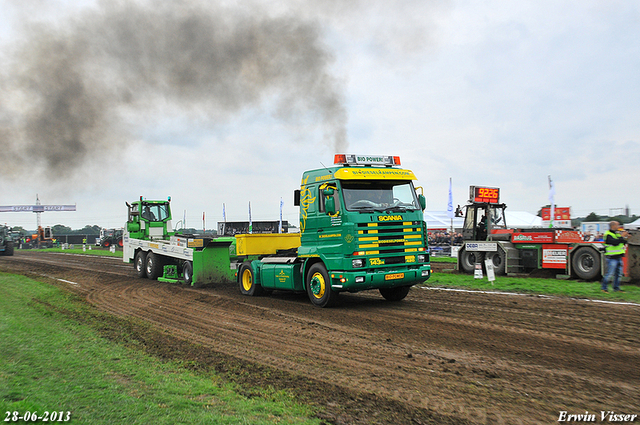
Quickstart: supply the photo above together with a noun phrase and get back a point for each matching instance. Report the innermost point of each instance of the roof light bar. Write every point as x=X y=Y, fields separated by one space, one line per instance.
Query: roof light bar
x=351 y=159
x=340 y=159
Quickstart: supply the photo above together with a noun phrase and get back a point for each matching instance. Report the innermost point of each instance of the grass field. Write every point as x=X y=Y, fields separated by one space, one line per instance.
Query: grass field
x=51 y=360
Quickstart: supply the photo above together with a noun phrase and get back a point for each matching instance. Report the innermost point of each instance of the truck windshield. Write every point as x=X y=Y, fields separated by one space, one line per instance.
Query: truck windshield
x=155 y=212
x=379 y=196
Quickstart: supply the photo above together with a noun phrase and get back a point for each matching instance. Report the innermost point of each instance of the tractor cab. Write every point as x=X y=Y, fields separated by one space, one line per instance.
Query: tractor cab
x=149 y=219
x=484 y=217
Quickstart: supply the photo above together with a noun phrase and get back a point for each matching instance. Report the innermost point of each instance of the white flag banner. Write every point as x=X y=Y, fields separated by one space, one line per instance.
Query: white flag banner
x=552 y=193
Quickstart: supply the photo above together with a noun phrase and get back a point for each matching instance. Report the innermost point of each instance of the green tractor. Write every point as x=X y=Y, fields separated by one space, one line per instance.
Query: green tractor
x=6 y=241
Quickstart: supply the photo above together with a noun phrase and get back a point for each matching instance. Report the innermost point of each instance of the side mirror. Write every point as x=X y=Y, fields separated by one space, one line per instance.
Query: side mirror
x=329 y=201
x=296 y=198
x=423 y=202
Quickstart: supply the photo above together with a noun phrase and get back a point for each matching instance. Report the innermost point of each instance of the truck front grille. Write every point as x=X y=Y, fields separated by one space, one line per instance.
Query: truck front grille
x=382 y=242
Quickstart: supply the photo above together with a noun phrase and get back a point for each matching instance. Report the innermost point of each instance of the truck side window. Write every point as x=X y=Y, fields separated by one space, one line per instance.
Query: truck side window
x=147 y=214
x=336 y=198
x=309 y=200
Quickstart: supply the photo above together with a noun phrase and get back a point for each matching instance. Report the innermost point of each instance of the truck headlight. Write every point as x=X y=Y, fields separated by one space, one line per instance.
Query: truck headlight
x=359 y=279
x=425 y=273
x=422 y=258
x=357 y=263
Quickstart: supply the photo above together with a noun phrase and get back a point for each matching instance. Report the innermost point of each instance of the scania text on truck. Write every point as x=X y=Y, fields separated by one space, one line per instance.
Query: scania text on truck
x=361 y=228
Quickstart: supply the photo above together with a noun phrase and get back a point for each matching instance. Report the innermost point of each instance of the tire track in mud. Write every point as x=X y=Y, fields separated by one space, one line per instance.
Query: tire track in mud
x=476 y=357
x=236 y=328
x=542 y=332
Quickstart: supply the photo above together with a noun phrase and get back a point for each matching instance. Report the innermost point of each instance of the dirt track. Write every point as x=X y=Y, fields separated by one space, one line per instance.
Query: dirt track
x=438 y=356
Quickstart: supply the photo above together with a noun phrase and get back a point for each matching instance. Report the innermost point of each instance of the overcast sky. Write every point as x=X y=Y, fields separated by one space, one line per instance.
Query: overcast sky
x=212 y=103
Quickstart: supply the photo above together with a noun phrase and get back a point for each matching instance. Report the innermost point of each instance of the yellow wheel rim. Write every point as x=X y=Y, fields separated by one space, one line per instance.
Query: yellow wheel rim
x=247 y=281
x=318 y=285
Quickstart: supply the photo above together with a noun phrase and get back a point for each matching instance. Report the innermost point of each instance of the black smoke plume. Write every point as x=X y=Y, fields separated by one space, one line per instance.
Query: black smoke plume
x=67 y=86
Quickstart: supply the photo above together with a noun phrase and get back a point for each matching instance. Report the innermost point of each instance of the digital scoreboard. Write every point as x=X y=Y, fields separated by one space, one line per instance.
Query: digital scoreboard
x=480 y=194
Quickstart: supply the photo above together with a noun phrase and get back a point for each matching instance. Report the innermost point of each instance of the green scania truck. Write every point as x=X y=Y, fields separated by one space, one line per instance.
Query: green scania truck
x=361 y=227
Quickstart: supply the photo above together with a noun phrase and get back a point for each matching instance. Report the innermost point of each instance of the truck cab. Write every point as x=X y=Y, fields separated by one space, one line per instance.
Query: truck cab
x=149 y=219
x=362 y=227
x=484 y=221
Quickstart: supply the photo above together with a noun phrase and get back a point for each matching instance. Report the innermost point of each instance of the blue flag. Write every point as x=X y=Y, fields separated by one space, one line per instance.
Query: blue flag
x=450 y=212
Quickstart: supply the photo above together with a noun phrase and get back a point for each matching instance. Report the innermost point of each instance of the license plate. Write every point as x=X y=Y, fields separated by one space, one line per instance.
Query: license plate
x=394 y=276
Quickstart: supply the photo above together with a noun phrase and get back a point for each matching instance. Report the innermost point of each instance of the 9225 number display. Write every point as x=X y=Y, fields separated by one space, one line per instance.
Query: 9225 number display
x=490 y=195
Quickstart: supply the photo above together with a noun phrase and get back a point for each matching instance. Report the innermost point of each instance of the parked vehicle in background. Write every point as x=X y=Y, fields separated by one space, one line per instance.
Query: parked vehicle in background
x=6 y=241
x=487 y=237
x=109 y=237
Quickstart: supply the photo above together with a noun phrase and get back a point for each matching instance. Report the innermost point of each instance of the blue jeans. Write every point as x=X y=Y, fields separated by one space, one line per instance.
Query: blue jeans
x=614 y=268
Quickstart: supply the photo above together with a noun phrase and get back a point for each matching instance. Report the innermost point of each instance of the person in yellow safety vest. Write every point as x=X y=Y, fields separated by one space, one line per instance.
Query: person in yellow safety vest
x=614 y=241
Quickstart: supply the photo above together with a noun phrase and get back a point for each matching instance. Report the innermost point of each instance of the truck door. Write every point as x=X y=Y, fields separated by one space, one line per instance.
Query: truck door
x=469 y=227
x=308 y=218
x=330 y=222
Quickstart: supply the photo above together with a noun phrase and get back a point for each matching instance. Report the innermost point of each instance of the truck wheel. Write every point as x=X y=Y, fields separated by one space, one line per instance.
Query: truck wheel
x=247 y=281
x=187 y=272
x=468 y=260
x=395 y=294
x=140 y=264
x=106 y=244
x=586 y=263
x=120 y=244
x=319 y=287
x=498 y=259
x=154 y=265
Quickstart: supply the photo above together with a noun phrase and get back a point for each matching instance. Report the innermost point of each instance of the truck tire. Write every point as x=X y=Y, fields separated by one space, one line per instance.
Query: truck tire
x=154 y=265
x=468 y=259
x=187 y=272
x=120 y=244
x=395 y=294
x=106 y=243
x=140 y=264
x=9 y=249
x=247 y=281
x=319 y=287
x=499 y=260
x=586 y=263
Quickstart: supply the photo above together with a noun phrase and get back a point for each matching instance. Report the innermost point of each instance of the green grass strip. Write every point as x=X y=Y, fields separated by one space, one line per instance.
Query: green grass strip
x=443 y=259
x=531 y=285
x=51 y=362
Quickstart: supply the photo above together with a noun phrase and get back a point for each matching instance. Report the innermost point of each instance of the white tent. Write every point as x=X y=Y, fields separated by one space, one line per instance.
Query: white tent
x=438 y=220
x=522 y=219
x=633 y=226
x=515 y=219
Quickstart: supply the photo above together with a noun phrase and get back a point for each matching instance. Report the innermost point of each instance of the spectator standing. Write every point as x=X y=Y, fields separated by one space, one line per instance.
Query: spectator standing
x=614 y=241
